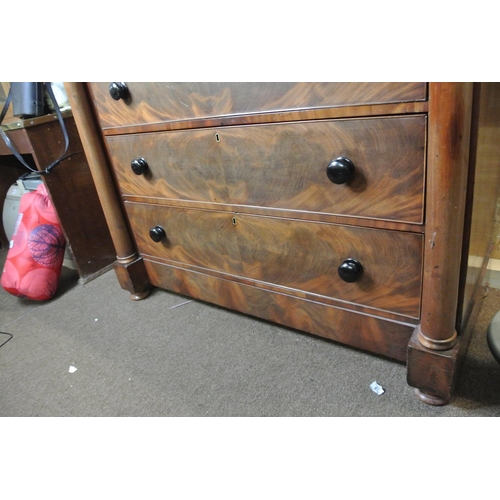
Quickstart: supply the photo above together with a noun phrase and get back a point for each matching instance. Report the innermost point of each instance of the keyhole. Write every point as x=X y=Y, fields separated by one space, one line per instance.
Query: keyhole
x=217 y=137
x=234 y=221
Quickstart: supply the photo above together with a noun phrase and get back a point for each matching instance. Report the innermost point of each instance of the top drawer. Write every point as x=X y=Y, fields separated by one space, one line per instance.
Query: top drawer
x=161 y=102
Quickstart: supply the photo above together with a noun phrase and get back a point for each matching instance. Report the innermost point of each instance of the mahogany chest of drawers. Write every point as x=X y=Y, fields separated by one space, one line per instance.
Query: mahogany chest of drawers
x=340 y=209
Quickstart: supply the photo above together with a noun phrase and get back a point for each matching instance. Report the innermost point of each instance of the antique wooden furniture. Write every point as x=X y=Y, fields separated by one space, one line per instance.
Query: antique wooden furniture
x=70 y=186
x=339 y=209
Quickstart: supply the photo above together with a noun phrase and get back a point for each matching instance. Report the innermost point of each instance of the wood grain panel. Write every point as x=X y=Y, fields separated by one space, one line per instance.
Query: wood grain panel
x=301 y=257
x=197 y=237
x=182 y=165
x=160 y=102
x=366 y=332
x=284 y=166
x=305 y=256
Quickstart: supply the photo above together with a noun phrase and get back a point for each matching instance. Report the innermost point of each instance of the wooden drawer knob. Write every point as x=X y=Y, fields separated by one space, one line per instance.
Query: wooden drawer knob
x=139 y=166
x=340 y=170
x=157 y=233
x=350 y=270
x=118 y=90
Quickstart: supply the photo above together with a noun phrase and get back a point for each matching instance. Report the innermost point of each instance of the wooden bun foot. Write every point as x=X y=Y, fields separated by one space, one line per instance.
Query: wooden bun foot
x=430 y=399
x=140 y=296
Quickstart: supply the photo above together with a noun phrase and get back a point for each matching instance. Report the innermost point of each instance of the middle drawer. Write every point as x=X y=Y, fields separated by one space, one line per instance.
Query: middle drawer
x=284 y=166
x=301 y=258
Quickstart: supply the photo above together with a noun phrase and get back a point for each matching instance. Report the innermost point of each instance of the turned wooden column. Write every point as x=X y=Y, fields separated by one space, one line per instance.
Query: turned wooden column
x=450 y=106
x=449 y=128
x=129 y=267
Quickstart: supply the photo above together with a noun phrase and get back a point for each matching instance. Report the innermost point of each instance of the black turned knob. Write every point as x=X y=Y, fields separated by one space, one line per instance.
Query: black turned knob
x=340 y=170
x=157 y=233
x=139 y=166
x=350 y=270
x=118 y=90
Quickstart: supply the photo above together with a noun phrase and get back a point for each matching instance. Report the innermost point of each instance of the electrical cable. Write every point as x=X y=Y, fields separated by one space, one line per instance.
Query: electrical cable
x=10 y=337
x=11 y=146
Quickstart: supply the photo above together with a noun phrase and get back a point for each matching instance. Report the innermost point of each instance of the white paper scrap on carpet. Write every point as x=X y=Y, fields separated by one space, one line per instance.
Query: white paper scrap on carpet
x=376 y=388
x=72 y=369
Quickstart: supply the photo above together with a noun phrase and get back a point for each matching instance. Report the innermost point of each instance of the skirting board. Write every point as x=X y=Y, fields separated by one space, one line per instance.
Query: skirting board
x=494 y=273
x=492 y=276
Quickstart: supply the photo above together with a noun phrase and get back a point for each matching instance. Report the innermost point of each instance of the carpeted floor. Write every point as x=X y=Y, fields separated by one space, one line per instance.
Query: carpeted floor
x=170 y=356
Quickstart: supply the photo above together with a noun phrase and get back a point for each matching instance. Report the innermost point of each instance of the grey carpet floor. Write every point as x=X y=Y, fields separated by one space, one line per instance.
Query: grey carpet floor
x=168 y=356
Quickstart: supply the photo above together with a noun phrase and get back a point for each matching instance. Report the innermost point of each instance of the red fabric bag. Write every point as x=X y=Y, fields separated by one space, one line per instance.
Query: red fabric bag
x=36 y=251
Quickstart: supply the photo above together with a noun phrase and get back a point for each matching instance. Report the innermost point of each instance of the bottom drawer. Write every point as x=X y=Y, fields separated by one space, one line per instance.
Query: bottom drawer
x=300 y=258
x=379 y=336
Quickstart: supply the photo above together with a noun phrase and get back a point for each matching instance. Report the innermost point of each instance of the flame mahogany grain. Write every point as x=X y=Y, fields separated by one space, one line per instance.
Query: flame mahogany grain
x=163 y=102
x=283 y=166
x=299 y=256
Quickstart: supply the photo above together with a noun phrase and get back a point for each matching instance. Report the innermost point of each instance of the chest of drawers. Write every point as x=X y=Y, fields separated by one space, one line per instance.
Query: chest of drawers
x=340 y=209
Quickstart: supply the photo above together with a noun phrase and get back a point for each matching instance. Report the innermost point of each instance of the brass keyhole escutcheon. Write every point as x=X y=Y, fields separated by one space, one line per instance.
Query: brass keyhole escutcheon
x=217 y=137
x=234 y=221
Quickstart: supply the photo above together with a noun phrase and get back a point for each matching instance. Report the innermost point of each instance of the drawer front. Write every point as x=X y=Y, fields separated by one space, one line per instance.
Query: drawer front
x=161 y=102
x=298 y=257
x=284 y=166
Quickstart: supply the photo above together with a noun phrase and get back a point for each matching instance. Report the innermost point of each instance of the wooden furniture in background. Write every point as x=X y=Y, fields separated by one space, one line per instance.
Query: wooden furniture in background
x=4 y=92
x=70 y=185
x=341 y=209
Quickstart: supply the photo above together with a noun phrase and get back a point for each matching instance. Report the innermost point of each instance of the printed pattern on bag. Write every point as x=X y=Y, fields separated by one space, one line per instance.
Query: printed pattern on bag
x=36 y=250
